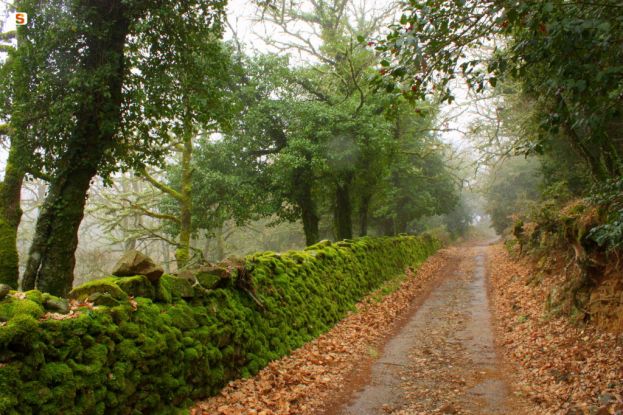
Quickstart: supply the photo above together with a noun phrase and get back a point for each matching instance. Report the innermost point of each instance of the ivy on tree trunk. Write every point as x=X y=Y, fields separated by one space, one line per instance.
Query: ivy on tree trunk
x=10 y=216
x=52 y=254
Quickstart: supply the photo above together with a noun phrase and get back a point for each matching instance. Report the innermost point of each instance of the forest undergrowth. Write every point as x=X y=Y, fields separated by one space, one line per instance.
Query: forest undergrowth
x=565 y=367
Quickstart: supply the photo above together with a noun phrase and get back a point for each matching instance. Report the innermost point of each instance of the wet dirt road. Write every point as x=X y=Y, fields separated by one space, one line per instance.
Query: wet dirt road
x=443 y=357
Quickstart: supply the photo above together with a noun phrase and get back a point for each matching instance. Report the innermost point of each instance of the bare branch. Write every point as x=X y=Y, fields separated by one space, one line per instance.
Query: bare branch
x=161 y=186
x=155 y=215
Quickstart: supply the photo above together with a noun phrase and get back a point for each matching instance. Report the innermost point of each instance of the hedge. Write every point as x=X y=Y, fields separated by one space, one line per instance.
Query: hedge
x=155 y=355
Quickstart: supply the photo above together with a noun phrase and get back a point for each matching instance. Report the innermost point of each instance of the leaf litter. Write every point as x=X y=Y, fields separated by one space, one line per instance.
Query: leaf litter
x=564 y=368
x=305 y=381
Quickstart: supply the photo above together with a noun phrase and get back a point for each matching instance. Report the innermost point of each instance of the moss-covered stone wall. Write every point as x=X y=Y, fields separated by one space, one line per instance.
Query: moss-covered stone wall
x=152 y=355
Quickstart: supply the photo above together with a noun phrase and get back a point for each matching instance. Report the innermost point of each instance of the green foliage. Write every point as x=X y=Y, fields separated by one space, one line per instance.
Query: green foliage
x=510 y=189
x=565 y=56
x=417 y=181
x=459 y=219
x=96 y=87
x=160 y=356
x=609 y=197
x=52 y=63
x=302 y=151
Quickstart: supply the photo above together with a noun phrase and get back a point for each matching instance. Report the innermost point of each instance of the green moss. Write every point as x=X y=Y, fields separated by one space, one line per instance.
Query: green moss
x=9 y=260
x=207 y=280
x=103 y=299
x=19 y=330
x=104 y=285
x=34 y=296
x=12 y=306
x=137 y=286
x=171 y=288
x=151 y=357
x=56 y=373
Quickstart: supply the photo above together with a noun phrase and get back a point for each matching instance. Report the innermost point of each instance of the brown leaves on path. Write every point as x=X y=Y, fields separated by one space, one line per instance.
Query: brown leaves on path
x=565 y=369
x=303 y=382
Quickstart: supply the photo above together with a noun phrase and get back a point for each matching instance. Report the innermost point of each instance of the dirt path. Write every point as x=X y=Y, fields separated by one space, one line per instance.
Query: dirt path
x=426 y=348
x=443 y=358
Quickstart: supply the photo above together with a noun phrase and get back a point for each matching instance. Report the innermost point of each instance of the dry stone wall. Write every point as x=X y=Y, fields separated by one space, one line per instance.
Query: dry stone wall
x=152 y=346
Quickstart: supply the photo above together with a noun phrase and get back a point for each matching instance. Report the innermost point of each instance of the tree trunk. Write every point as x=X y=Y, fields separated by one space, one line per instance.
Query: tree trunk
x=364 y=208
x=584 y=151
x=343 y=211
x=182 y=253
x=10 y=216
x=51 y=258
x=164 y=247
x=220 y=244
x=388 y=226
x=308 y=213
x=10 y=199
x=52 y=253
x=310 y=224
x=305 y=201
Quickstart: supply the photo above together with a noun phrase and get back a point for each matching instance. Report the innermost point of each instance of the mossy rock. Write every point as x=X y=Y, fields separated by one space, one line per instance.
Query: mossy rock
x=216 y=270
x=4 y=290
x=319 y=245
x=171 y=288
x=103 y=299
x=137 y=286
x=344 y=243
x=163 y=292
x=34 y=295
x=209 y=281
x=12 y=306
x=104 y=285
x=118 y=288
x=55 y=304
x=217 y=276
x=134 y=262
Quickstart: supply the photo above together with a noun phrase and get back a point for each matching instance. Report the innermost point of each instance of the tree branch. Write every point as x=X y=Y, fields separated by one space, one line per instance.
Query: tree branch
x=8 y=36
x=154 y=235
x=155 y=215
x=161 y=186
x=362 y=96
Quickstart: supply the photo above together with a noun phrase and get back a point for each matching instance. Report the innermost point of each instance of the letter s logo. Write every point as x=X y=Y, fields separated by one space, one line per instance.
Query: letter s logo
x=21 y=18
